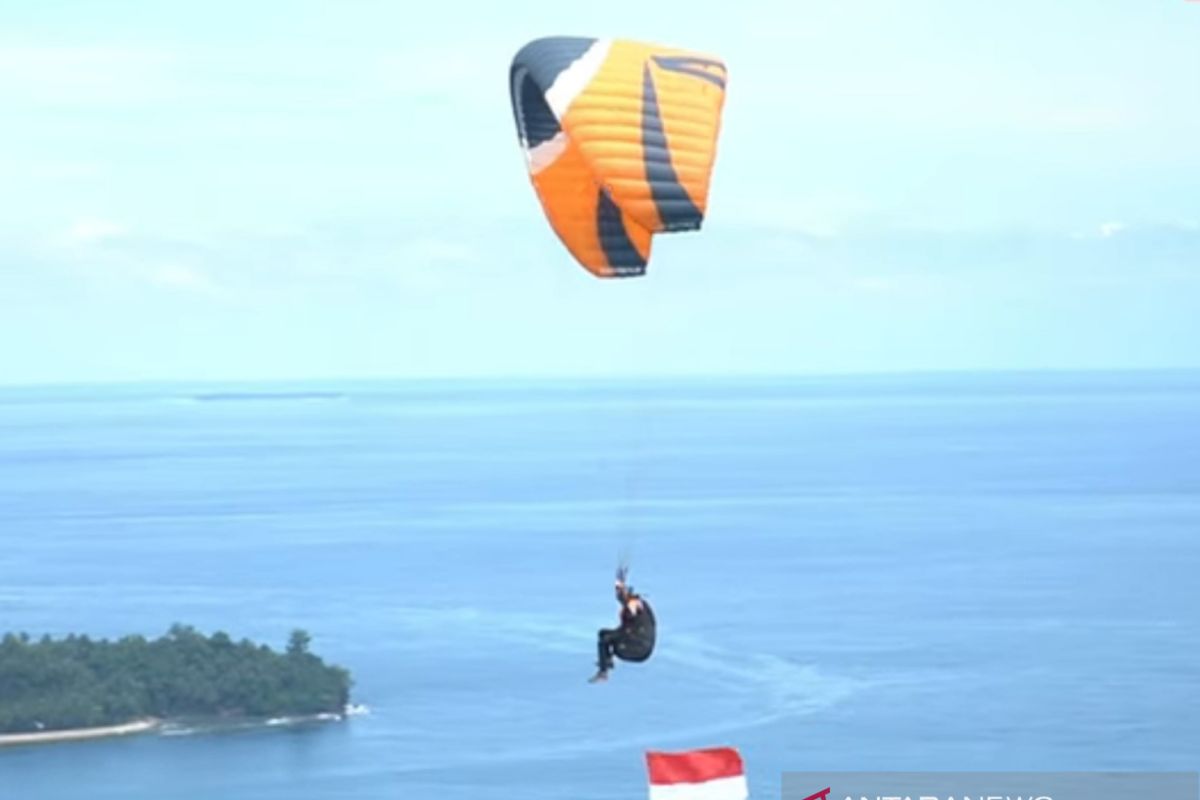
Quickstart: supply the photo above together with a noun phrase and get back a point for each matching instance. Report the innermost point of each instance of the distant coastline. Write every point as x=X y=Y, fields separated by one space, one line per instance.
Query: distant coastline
x=79 y=734
x=170 y=727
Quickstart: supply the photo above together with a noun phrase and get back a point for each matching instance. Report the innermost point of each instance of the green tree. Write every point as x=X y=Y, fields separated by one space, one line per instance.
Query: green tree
x=298 y=643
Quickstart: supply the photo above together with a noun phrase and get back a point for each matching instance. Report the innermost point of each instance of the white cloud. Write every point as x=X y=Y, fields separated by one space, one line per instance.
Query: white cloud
x=179 y=276
x=462 y=72
x=872 y=283
x=436 y=251
x=1106 y=230
x=90 y=230
x=104 y=75
x=97 y=248
x=17 y=169
x=824 y=217
x=429 y=265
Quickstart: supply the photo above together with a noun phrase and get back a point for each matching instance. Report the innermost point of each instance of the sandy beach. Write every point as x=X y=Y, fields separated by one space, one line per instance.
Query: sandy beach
x=74 y=734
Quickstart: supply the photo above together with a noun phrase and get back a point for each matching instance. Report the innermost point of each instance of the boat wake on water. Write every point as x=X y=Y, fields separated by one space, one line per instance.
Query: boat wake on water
x=743 y=689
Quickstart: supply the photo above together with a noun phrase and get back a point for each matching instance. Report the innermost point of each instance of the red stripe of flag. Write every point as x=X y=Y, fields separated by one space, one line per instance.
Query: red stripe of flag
x=693 y=766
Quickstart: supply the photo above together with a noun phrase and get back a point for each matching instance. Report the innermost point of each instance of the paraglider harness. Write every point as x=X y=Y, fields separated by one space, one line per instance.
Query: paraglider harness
x=634 y=639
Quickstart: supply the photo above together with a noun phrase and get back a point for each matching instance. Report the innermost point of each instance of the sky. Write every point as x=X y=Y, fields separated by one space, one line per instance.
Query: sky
x=279 y=190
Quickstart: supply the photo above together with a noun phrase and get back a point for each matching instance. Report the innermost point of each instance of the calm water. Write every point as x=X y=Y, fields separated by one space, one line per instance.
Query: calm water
x=950 y=573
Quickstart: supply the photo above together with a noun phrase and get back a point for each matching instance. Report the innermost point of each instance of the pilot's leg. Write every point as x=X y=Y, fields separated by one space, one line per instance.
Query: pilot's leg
x=606 y=643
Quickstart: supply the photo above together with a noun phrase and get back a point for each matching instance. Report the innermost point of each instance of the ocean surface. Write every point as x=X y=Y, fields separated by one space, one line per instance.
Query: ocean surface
x=939 y=572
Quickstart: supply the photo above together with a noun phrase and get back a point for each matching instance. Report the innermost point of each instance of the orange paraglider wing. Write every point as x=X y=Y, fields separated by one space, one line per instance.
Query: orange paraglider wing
x=620 y=139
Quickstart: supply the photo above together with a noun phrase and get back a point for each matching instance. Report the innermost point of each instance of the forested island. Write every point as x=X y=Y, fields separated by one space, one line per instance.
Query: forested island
x=77 y=682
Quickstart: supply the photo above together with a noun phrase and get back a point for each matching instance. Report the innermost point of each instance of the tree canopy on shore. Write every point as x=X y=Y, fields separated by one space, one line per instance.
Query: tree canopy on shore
x=79 y=682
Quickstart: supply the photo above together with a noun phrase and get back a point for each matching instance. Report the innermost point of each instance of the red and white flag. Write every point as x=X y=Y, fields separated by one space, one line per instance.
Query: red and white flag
x=714 y=773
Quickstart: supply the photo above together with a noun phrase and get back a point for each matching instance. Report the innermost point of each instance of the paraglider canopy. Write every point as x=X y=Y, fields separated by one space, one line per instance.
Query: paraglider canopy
x=620 y=139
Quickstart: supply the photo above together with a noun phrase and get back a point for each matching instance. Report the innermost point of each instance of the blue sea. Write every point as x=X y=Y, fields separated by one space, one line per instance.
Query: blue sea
x=922 y=572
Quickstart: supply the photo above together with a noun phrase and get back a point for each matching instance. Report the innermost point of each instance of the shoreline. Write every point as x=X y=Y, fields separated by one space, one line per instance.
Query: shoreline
x=77 y=734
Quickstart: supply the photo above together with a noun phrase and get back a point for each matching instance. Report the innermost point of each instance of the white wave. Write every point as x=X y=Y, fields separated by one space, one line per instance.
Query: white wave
x=175 y=729
x=227 y=726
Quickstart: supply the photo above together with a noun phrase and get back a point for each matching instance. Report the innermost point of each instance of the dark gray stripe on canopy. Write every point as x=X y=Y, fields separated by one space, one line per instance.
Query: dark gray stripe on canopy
x=533 y=70
x=674 y=204
x=622 y=256
x=692 y=65
x=546 y=58
x=535 y=120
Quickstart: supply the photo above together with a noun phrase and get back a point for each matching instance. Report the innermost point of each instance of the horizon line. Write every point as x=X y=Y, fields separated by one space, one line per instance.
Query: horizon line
x=633 y=377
